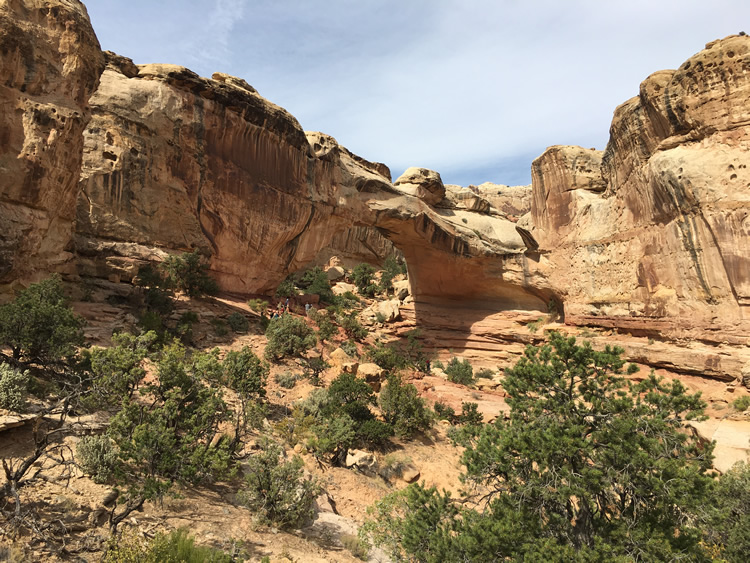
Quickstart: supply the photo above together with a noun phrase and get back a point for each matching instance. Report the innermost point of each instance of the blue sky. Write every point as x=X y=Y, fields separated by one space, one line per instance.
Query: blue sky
x=475 y=89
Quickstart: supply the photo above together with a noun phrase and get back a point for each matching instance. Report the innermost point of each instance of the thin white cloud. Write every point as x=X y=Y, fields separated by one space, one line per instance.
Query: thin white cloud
x=213 y=45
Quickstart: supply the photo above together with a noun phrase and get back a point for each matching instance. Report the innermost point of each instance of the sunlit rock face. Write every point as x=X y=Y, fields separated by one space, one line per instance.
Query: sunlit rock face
x=173 y=161
x=658 y=235
x=50 y=62
x=178 y=162
x=652 y=234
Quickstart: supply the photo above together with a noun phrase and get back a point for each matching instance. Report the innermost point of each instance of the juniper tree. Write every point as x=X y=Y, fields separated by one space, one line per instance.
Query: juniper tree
x=589 y=466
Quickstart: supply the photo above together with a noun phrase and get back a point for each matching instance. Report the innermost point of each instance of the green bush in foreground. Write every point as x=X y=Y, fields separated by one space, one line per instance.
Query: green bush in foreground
x=589 y=467
x=277 y=489
x=727 y=514
x=13 y=388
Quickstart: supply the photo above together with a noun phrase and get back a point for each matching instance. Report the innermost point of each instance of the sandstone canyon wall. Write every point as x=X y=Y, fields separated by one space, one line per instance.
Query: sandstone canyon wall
x=650 y=235
x=50 y=62
x=654 y=233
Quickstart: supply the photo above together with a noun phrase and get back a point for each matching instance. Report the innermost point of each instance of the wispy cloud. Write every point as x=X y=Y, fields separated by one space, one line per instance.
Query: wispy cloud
x=213 y=45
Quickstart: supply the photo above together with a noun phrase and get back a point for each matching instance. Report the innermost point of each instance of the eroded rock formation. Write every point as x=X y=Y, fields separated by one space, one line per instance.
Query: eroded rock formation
x=654 y=233
x=50 y=62
x=651 y=235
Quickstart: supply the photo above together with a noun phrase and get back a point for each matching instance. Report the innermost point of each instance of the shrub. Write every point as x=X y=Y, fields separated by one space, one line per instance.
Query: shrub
x=332 y=438
x=589 y=467
x=177 y=546
x=158 y=300
x=39 y=325
x=355 y=546
x=169 y=438
x=485 y=373
x=387 y=356
x=403 y=408
x=352 y=326
x=362 y=275
x=349 y=299
x=350 y=347
x=374 y=432
x=444 y=412
x=391 y=268
x=286 y=379
x=316 y=403
x=277 y=489
x=258 y=305
x=220 y=327
x=238 y=322
x=286 y=288
x=188 y=273
x=351 y=395
x=13 y=388
x=727 y=514
x=152 y=321
x=288 y=336
x=315 y=282
x=327 y=329
x=470 y=415
x=97 y=457
x=118 y=370
x=314 y=367
x=185 y=324
x=459 y=371
x=246 y=373
x=206 y=367
x=344 y=417
x=534 y=326
x=742 y=403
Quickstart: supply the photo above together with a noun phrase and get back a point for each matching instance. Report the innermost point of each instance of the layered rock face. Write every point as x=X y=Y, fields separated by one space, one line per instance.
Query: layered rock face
x=173 y=161
x=50 y=62
x=651 y=235
x=654 y=233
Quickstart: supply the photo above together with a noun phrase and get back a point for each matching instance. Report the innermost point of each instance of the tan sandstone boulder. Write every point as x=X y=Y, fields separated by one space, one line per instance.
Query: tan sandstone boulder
x=422 y=183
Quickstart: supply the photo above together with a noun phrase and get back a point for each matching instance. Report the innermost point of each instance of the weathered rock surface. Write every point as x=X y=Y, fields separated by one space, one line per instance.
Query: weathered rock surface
x=50 y=61
x=176 y=161
x=651 y=236
x=657 y=237
x=356 y=245
x=513 y=201
x=422 y=183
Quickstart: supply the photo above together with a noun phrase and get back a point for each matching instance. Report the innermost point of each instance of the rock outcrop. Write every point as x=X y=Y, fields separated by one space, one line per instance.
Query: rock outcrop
x=650 y=236
x=654 y=233
x=178 y=162
x=50 y=62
